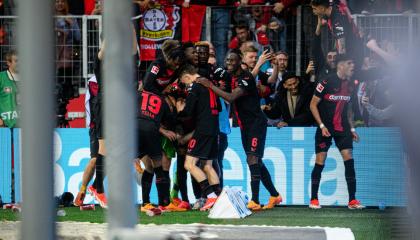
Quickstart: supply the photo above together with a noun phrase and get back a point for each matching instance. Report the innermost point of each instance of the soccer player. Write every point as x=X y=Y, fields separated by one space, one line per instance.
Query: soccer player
x=91 y=98
x=342 y=28
x=204 y=106
x=97 y=187
x=331 y=109
x=162 y=71
x=253 y=126
x=153 y=110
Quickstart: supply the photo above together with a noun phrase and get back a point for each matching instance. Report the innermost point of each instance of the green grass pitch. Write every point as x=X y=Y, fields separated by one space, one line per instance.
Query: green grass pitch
x=365 y=224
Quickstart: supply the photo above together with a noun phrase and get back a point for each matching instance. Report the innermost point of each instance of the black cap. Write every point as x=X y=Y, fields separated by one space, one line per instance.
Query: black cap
x=343 y=57
x=288 y=75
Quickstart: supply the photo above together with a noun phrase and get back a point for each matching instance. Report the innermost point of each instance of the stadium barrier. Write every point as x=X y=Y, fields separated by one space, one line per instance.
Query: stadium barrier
x=289 y=156
x=5 y=165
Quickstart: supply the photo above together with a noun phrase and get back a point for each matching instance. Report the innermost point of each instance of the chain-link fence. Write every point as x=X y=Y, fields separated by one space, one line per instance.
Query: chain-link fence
x=78 y=37
x=399 y=29
x=77 y=43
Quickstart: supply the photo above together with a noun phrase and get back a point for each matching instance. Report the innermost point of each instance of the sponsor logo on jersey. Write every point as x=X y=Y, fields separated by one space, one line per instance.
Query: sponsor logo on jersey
x=245 y=83
x=337 y=98
x=341 y=29
x=163 y=81
x=320 y=88
x=155 y=70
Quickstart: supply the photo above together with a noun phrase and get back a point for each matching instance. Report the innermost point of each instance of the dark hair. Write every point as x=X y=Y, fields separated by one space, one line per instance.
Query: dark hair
x=235 y=51
x=188 y=69
x=289 y=75
x=202 y=44
x=325 y=3
x=343 y=57
x=333 y=50
x=186 y=45
x=242 y=24
x=282 y=52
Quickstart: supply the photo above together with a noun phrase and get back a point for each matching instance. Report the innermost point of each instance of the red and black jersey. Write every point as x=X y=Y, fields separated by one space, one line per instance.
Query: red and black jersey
x=247 y=107
x=204 y=105
x=158 y=77
x=341 y=25
x=335 y=94
x=207 y=71
x=153 y=109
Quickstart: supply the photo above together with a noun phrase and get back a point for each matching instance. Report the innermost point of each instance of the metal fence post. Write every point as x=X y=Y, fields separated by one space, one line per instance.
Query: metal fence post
x=37 y=68
x=84 y=47
x=298 y=40
x=119 y=114
x=208 y=24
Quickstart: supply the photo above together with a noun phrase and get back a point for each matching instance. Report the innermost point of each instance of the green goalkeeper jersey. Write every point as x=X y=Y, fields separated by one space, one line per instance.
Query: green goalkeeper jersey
x=8 y=100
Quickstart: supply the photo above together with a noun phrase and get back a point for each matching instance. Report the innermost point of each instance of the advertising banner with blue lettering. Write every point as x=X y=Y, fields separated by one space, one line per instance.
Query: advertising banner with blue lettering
x=289 y=156
x=5 y=165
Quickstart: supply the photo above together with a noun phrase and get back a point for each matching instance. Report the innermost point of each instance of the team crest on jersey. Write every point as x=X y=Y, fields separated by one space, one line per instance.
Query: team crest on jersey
x=245 y=83
x=320 y=88
x=7 y=89
x=155 y=70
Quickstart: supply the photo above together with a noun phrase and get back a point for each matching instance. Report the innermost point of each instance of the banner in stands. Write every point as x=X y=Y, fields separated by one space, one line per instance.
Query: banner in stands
x=289 y=156
x=157 y=25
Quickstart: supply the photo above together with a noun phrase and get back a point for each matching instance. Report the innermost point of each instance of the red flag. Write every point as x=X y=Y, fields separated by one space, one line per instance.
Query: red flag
x=192 y=22
x=89 y=6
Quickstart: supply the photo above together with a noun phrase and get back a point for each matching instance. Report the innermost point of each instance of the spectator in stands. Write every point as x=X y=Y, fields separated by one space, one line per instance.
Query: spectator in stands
x=379 y=117
x=292 y=103
x=276 y=32
x=250 y=63
x=220 y=23
x=212 y=55
x=279 y=68
x=244 y=34
x=374 y=95
x=9 y=92
x=259 y=19
x=320 y=66
x=68 y=37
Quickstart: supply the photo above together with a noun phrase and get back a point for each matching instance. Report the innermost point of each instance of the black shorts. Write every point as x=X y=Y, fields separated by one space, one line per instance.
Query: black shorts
x=94 y=143
x=149 y=143
x=203 y=146
x=253 y=140
x=97 y=113
x=322 y=144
